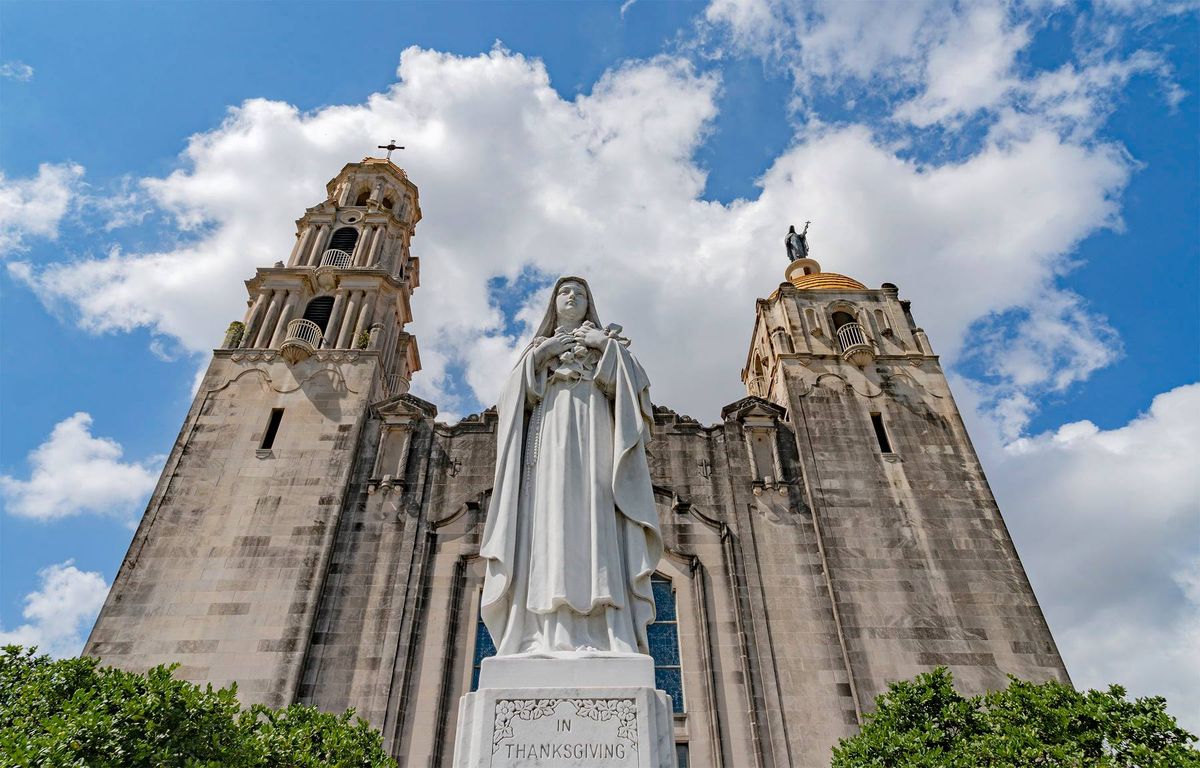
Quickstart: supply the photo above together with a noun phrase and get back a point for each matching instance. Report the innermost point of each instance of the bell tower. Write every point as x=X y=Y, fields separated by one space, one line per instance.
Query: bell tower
x=348 y=280
x=225 y=572
x=915 y=556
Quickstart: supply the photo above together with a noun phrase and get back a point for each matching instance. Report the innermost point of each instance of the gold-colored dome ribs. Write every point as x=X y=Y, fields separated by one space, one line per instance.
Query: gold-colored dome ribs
x=825 y=281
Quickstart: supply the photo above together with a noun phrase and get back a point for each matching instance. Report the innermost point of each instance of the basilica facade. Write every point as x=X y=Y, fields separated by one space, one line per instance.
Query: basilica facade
x=315 y=534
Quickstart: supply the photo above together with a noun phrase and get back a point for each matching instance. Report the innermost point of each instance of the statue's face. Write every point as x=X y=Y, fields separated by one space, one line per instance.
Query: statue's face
x=570 y=302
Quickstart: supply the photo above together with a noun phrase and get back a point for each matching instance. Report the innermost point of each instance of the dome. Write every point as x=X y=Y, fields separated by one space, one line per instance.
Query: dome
x=826 y=281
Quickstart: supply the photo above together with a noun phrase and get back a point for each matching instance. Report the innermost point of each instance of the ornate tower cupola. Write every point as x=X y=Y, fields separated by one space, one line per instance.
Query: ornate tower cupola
x=824 y=320
x=349 y=279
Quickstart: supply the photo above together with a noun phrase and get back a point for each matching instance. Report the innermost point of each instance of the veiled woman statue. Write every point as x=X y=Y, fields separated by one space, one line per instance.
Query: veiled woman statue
x=572 y=533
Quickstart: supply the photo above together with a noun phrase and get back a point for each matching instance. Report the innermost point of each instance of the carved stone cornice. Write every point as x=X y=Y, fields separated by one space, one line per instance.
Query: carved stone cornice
x=752 y=406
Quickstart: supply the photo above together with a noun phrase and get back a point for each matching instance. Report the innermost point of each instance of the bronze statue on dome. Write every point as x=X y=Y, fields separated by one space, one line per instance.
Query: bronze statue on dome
x=797 y=242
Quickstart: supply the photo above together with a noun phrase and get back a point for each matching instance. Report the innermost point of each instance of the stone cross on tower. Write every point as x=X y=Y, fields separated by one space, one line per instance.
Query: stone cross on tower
x=391 y=146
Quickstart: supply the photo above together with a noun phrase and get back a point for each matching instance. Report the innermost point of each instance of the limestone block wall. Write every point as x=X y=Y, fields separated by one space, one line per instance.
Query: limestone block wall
x=764 y=675
x=922 y=569
x=225 y=569
x=809 y=567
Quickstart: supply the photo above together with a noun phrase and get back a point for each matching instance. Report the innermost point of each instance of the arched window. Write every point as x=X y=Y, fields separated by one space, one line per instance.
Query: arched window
x=662 y=635
x=318 y=311
x=363 y=197
x=344 y=239
x=841 y=318
x=388 y=203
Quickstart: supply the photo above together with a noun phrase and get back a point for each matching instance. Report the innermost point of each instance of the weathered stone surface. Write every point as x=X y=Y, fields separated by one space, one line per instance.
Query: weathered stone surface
x=809 y=566
x=565 y=727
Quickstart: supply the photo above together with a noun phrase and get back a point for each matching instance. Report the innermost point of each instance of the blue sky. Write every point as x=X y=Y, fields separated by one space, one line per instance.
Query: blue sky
x=1027 y=173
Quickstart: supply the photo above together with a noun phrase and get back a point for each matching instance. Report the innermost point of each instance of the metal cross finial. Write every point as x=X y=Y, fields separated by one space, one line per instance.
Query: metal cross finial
x=390 y=147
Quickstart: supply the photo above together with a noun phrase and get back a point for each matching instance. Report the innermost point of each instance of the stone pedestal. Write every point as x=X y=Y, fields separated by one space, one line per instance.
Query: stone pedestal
x=563 y=711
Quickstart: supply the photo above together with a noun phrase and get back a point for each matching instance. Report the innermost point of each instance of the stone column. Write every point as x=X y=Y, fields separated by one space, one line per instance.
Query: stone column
x=378 y=326
x=363 y=246
x=318 y=246
x=346 y=336
x=376 y=246
x=387 y=343
x=364 y=318
x=285 y=316
x=263 y=337
x=300 y=249
x=335 y=320
x=253 y=316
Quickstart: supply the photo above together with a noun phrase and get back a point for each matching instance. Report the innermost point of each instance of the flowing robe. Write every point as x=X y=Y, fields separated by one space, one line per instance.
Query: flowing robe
x=572 y=535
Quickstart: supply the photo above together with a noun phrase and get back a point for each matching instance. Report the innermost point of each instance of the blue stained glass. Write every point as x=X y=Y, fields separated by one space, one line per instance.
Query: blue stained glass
x=671 y=681
x=664 y=644
x=475 y=679
x=664 y=600
x=484 y=647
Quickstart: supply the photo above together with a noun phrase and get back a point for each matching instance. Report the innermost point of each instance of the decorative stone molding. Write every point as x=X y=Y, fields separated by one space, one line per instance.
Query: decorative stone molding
x=599 y=710
x=255 y=356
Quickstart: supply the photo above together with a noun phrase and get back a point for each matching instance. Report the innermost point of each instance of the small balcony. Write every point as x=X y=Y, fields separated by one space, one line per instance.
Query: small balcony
x=303 y=338
x=332 y=260
x=856 y=347
x=335 y=258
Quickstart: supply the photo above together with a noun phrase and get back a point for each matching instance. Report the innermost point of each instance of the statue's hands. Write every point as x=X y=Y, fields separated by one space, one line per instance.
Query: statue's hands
x=554 y=346
x=590 y=336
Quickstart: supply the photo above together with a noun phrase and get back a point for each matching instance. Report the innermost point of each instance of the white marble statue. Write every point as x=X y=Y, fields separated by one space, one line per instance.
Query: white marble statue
x=572 y=533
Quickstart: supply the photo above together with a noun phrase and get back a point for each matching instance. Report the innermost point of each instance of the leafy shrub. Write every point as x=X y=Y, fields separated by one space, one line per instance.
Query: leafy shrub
x=73 y=712
x=925 y=723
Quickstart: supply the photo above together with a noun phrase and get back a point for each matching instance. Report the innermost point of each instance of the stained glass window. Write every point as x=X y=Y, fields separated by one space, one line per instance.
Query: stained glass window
x=662 y=634
x=484 y=648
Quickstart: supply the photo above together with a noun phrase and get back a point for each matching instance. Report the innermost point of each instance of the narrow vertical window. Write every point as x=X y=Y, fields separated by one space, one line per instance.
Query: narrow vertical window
x=484 y=649
x=663 y=636
x=681 y=754
x=881 y=435
x=272 y=428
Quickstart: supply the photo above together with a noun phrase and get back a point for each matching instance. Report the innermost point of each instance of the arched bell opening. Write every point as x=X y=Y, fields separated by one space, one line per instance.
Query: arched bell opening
x=841 y=318
x=344 y=239
x=852 y=338
x=318 y=312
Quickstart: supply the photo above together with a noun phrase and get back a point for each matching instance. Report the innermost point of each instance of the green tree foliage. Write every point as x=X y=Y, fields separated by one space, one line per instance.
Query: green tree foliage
x=73 y=712
x=925 y=723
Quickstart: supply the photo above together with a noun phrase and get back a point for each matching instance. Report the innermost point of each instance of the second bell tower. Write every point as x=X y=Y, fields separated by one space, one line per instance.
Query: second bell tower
x=225 y=572
x=348 y=280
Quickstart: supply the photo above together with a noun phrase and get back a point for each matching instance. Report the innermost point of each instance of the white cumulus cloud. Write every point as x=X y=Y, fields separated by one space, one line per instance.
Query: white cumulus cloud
x=942 y=64
x=74 y=472
x=521 y=184
x=59 y=611
x=1107 y=522
x=33 y=207
x=516 y=180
